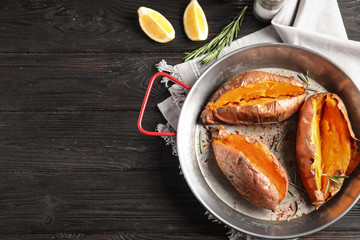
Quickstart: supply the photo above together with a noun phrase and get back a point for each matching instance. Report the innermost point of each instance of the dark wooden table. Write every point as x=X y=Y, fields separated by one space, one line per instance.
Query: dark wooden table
x=73 y=164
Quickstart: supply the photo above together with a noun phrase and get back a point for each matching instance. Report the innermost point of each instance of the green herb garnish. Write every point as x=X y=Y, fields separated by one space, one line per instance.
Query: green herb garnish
x=273 y=144
x=310 y=89
x=298 y=187
x=223 y=39
x=304 y=78
x=291 y=193
x=296 y=211
x=291 y=174
x=327 y=187
x=342 y=176
x=284 y=76
x=335 y=180
x=280 y=141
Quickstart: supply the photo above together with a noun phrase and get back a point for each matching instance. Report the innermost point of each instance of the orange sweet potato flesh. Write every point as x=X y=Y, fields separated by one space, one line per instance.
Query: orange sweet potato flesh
x=251 y=168
x=254 y=97
x=326 y=146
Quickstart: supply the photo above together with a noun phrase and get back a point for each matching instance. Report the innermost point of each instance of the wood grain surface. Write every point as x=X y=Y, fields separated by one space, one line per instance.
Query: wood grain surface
x=73 y=164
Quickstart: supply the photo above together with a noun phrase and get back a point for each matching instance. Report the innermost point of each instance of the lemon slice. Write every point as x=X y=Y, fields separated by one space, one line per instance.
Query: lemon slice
x=155 y=25
x=195 y=24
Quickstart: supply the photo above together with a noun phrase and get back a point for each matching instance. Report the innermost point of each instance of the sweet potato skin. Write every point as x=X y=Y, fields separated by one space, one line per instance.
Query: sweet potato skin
x=305 y=149
x=251 y=183
x=305 y=153
x=272 y=112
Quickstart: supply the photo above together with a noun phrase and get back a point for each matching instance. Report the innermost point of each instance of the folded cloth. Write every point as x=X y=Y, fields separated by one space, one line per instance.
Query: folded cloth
x=316 y=25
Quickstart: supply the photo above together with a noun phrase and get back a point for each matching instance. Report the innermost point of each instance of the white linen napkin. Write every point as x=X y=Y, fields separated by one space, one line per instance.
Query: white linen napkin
x=316 y=25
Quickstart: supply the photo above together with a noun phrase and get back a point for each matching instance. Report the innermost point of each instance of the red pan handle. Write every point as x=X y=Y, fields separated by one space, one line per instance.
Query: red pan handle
x=146 y=98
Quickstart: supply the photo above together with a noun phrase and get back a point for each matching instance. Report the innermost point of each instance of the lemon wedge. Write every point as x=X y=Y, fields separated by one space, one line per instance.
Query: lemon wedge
x=155 y=25
x=195 y=24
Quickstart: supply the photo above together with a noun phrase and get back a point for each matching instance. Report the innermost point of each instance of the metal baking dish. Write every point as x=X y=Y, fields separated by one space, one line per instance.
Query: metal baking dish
x=206 y=180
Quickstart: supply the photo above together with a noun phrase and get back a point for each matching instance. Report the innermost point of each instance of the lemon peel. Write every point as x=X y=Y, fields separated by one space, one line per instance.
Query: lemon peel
x=195 y=23
x=155 y=25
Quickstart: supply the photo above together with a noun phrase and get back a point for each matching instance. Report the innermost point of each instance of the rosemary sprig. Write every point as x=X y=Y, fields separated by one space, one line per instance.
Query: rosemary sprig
x=280 y=141
x=284 y=76
x=223 y=39
x=304 y=78
x=298 y=187
x=296 y=211
x=288 y=170
x=342 y=176
x=291 y=193
x=310 y=89
x=273 y=144
x=327 y=187
x=335 y=180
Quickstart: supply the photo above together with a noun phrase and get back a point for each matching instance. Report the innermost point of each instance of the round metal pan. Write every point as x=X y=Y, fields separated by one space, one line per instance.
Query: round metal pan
x=210 y=187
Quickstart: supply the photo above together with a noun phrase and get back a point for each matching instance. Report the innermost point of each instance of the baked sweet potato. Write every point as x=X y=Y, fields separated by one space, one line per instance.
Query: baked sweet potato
x=251 y=168
x=325 y=146
x=254 y=97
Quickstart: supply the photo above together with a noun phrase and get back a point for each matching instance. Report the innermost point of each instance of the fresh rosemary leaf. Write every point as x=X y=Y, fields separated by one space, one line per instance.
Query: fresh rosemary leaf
x=335 y=180
x=304 y=78
x=298 y=187
x=291 y=173
x=284 y=76
x=327 y=187
x=307 y=76
x=291 y=193
x=273 y=144
x=223 y=39
x=280 y=141
x=296 y=211
x=310 y=89
x=340 y=176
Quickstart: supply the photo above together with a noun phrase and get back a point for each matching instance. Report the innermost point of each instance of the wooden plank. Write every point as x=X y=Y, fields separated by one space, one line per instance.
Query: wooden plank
x=112 y=26
x=106 y=26
x=181 y=236
x=85 y=171
x=57 y=172
x=81 y=141
x=83 y=202
x=99 y=201
x=72 y=163
x=78 y=82
x=119 y=236
x=350 y=11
